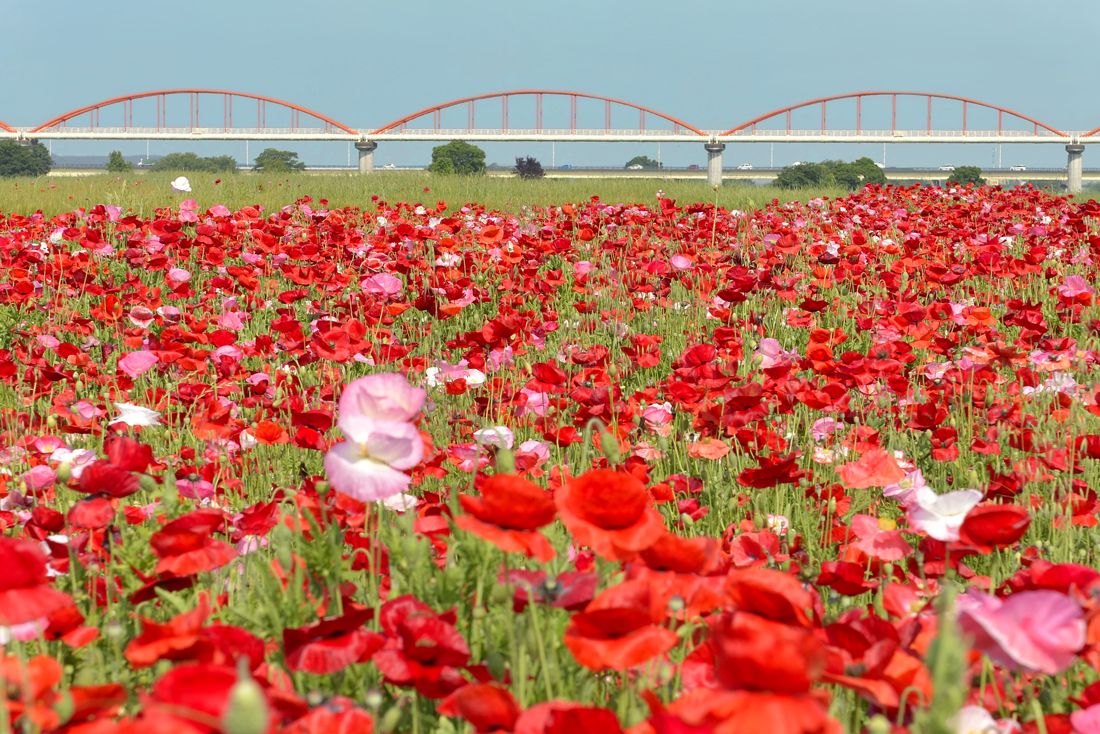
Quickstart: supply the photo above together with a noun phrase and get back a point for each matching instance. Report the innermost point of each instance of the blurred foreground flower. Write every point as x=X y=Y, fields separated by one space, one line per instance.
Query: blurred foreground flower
x=1034 y=631
x=375 y=415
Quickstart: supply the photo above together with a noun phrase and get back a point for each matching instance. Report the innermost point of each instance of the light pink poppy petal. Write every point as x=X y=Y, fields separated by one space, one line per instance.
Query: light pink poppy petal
x=136 y=364
x=401 y=449
x=362 y=479
x=385 y=397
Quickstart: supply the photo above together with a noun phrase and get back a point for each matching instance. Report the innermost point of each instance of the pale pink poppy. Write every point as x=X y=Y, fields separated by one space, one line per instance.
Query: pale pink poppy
x=976 y=720
x=220 y=210
x=583 y=268
x=537 y=403
x=823 y=428
x=196 y=489
x=499 y=436
x=1075 y=285
x=136 y=364
x=940 y=516
x=86 y=410
x=771 y=353
x=232 y=320
x=539 y=450
x=229 y=351
x=49 y=342
x=905 y=491
x=135 y=415
x=382 y=284
x=181 y=185
x=680 y=262
x=141 y=317
x=171 y=314
x=179 y=275
x=1033 y=631
x=112 y=212
x=375 y=415
x=39 y=477
x=1086 y=721
x=879 y=539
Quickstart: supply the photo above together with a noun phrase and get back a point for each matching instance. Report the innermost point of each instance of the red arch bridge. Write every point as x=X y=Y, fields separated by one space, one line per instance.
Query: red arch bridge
x=559 y=116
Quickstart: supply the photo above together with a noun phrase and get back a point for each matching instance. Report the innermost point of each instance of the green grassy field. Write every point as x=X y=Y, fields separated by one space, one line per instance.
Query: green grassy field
x=144 y=192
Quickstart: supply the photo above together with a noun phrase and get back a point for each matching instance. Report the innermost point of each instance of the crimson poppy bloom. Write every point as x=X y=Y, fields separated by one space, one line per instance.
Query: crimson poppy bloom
x=508 y=514
x=185 y=546
x=486 y=706
x=25 y=591
x=609 y=511
x=620 y=629
x=331 y=644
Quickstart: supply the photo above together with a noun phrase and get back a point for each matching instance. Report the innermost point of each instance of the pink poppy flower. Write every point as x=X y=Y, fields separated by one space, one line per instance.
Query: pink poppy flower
x=1075 y=285
x=772 y=353
x=382 y=284
x=1033 y=631
x=220 y=210
x=976 y=720
x=179 y=275
x=680 y=262
x=141 y=317
x=879 y=539
x=136 y=364
x=940 y=516
x=375 y=415
x=499 y=436
x=232 y=320
x=1086 y=721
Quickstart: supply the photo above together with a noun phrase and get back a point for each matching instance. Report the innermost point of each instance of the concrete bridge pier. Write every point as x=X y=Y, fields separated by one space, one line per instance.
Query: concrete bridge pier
x=366 y=150
x=1074 y=167
x=714 y=163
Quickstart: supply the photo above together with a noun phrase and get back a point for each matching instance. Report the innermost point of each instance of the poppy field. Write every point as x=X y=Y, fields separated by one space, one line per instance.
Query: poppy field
x=662 y=468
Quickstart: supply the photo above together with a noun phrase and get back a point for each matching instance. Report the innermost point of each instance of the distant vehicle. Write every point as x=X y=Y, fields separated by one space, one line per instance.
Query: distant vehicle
x=389 y=167
x=797 y=163
x=635 y=167
x=880 y=165
x=1017 y=168
x=745 y=167
x=565 y=166
x=693 y=167
x=947 y=168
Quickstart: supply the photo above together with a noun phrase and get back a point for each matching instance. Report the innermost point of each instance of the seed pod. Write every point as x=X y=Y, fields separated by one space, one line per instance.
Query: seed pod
x=247 y=711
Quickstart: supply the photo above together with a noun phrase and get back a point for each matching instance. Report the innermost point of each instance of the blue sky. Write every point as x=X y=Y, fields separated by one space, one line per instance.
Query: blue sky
x=711 y=63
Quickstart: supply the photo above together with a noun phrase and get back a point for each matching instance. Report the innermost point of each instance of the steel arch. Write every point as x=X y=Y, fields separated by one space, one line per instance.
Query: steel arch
x=1090 y=133
x=858 y=96
x=539 y=92
x=166 y=92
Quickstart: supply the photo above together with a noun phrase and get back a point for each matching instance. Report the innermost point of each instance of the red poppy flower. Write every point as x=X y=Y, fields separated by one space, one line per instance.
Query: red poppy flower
x=845 y=578
x=875 y=468
x=989 y=526
x=179 y=639
x=25 y=592
x=572 y=590
x=609 y=511
x=423 y=649
x=620 y=629
x=103 y=477
x=185 y=546
x=508 y=514
x=487 y=707
x=331 y=644
x=337 y=716
x=773 y=470
x=773 y=595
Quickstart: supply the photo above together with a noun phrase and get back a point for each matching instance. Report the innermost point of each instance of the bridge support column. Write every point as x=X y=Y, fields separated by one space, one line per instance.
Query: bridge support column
x=1074 y=167
x=714 y=163
x=366 y=150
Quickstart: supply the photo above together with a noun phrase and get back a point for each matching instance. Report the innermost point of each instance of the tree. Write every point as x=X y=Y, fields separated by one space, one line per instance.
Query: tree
x=966 y=175
x=117 y=164
x=803 y=176
x=459 y=157
x=278 y=161
x=188 y=162
x=24 y=158
x=644 y=161
x=529 y=168
x=857 y=174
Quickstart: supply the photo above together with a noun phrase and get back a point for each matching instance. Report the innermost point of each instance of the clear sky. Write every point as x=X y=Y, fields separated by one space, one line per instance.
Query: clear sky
x=713 y=63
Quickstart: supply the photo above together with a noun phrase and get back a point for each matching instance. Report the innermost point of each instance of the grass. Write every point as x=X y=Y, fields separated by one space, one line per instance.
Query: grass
x=142 y=193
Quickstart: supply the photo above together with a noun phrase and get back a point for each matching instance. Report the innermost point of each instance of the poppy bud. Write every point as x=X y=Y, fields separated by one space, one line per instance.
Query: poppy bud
x=832 y=505
x=147 y=483
x=322 y=488
x=373 y=699
x=496 y=664
x=169 y=494
x=879 y=724
x=64 y=707
x=505 y=461
x=51 y=421
x=390 y=720
x=247 y=711
x=78 y=386
x=64 y=472
x=610 y=447
x=281 y=538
